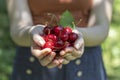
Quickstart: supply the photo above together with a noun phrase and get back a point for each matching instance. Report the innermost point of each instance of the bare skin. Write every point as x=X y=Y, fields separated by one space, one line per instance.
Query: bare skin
x=24 y=34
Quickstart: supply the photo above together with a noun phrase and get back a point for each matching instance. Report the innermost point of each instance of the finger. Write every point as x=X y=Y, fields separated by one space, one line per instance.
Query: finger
x=38 y=40
x=67 y=53
x=72 y=53
x=57 y=62
x=77 y=53
x=69 y=56
x=53 y=64
x=79 y=42
x=60 y=59
x=40 y=53
x=34 y=46
x=65 y=61
x=69 y=49
x=60 y=66
x=82 y=48
x=79 y=50
x=62 y=53
x=43 y=55
x=46 y=60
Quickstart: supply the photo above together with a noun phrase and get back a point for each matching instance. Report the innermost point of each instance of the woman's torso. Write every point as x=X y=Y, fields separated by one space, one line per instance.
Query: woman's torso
x=79 y=8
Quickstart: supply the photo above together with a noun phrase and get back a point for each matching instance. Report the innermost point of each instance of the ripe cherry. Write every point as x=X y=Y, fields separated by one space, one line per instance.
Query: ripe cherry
x=59 y=45
x=64 y=36
x=72 y=37
x=49 y=44
x=47 y=30
x=50 y=37
x=58 y=38
x=68 y=29
x=57 y=30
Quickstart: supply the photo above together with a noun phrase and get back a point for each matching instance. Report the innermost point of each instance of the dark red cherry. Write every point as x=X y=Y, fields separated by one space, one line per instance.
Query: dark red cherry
x=68 y=29
x=64 y=36
x=72 y=37
x=59 y=45
x=49 y=45
x=47 y=30
x=57 y=30
x=50 y=37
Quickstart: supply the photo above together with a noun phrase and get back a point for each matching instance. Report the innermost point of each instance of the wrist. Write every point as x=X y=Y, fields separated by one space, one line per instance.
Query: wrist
x=37 y=29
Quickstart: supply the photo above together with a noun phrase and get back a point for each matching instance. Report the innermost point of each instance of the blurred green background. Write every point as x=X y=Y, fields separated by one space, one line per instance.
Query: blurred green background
x=111 y=46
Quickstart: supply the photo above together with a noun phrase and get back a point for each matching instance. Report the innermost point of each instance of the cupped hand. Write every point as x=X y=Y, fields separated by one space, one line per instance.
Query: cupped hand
x=45 y=56
x=73 y=52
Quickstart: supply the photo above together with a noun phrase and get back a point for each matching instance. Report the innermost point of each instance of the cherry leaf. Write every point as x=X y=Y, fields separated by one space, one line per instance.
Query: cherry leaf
x=67 y=19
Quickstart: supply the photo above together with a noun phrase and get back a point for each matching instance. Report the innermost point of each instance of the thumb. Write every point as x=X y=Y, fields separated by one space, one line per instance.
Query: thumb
x=38 y=40
x=79 y=42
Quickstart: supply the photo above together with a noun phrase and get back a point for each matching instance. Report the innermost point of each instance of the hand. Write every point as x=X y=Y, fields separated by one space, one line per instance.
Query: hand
x=45 y=56
x=35 y=32
x=71 y=53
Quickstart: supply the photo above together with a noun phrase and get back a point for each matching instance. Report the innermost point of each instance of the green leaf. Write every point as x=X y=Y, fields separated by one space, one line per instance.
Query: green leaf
x=67 y=19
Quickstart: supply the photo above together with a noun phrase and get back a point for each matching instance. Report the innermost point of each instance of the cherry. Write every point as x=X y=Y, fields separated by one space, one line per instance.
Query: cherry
x=59 y=45
x=64 y=36
x=72 y=37
x=57 y=30
x=47 y=30
x=50 y=37
x=68 y=29
x=49 y=45
x=58 y=38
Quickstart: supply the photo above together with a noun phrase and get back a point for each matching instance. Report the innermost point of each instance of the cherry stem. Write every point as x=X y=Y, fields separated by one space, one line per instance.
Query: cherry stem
x=53 y=17
x=73 y=25
x=79 y=21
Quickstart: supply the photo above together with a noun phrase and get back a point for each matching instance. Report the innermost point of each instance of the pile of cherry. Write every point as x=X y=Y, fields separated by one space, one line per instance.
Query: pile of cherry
x=58 y=38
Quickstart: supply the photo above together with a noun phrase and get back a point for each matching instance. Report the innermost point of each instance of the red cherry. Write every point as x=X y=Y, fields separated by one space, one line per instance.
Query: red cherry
x=64 y=36
x=49 y=45
x=47 y=30
x=68 y=29
x=72 y=37
x=57 y=30
x=50 y=37
x=59 y=45
x=58 y=38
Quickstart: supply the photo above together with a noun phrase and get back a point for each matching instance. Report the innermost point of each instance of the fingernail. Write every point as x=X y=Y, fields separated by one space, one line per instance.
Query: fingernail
x=52 y=54
x=41 y=41
x=62 y=53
